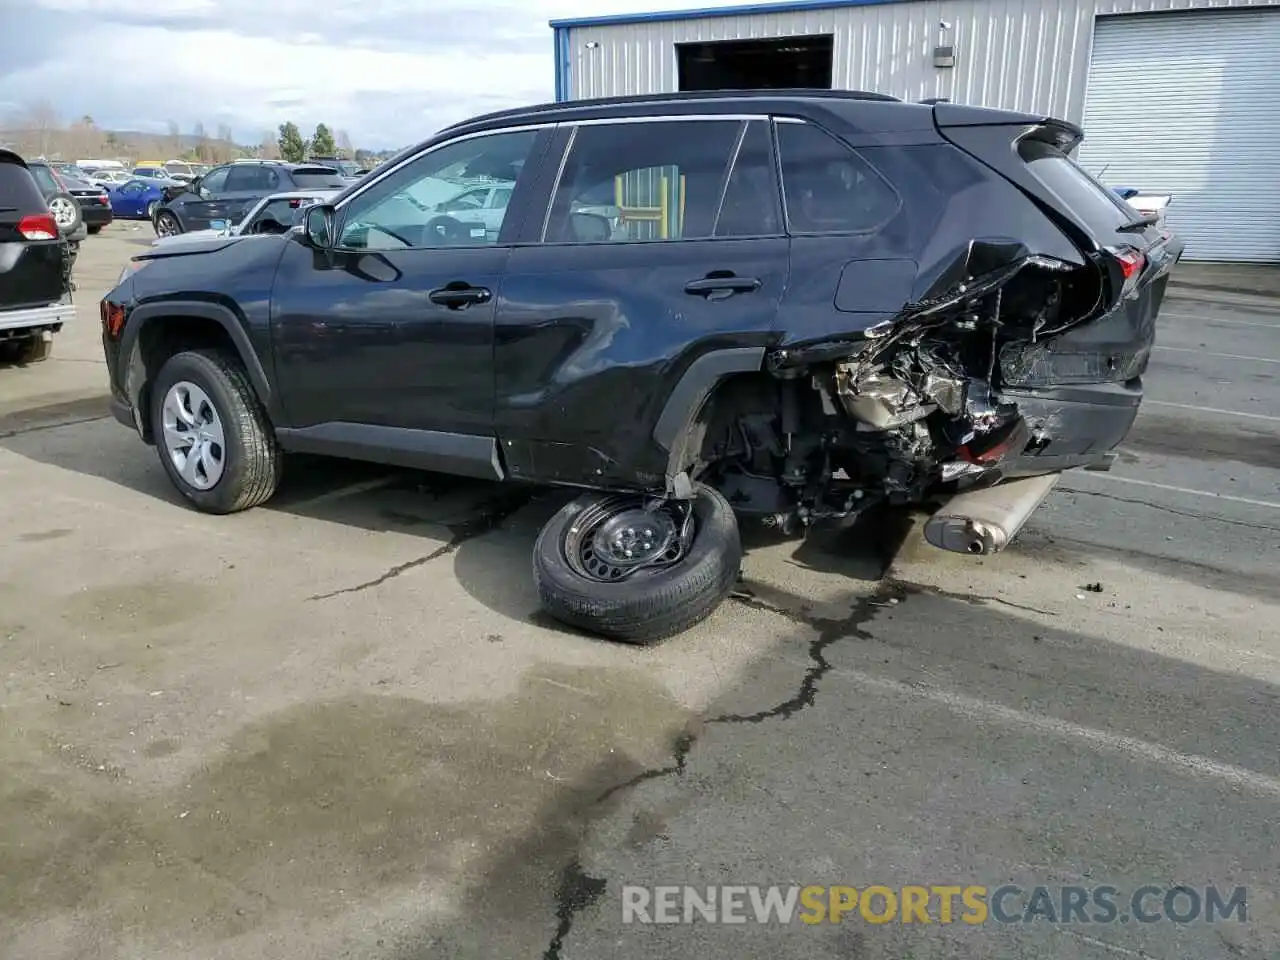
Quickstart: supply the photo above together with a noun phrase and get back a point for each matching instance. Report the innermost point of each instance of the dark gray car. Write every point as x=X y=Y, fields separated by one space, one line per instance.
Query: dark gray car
x=230 y=191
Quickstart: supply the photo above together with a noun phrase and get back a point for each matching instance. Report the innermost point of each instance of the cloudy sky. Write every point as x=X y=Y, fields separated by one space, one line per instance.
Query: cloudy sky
x=386 y=71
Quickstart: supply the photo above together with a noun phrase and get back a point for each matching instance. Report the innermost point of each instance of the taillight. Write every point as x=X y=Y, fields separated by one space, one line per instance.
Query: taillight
x=38 y=226
x=112 y=318
x=1131 y=263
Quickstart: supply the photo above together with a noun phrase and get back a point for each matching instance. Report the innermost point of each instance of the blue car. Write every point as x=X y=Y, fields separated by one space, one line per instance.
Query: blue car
x=137 y=199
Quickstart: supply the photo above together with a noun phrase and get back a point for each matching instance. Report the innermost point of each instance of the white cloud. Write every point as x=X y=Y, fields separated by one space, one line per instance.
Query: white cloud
x=388 y=73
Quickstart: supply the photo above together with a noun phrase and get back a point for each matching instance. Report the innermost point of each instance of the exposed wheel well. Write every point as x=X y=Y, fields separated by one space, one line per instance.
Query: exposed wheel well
x=732 y=396
x=160 y=339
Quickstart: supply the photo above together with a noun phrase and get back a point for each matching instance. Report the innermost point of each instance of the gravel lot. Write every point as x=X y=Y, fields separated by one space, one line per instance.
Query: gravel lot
x=336 y=726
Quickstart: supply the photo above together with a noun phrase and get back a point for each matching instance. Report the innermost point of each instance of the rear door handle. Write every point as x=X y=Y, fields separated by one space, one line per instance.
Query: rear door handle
x=715 y=287
x=457 y=295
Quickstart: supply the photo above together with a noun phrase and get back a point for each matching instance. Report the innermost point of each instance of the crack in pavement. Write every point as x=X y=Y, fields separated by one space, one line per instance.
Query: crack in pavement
x=490 y=515
x=1159 y=506
x=576 y=892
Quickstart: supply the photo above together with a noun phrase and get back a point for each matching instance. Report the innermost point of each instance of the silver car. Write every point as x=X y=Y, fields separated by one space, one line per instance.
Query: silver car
x=276 y=213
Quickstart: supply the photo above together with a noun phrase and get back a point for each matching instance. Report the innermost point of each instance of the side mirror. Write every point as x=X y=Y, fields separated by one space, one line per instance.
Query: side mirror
x=319 y=224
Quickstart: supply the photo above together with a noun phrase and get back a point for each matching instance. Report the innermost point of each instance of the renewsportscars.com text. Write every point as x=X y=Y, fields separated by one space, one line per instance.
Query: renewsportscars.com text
x=934 y=903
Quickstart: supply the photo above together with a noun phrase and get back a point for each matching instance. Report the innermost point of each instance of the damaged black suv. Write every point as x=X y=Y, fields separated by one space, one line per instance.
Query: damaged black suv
x=783 y=306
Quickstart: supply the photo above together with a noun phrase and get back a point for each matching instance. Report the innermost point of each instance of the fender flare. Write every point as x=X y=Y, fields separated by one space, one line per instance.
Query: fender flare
x=146 y=313
x=671 y=431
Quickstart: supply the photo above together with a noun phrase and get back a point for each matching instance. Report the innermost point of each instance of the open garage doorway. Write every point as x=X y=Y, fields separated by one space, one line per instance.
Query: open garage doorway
x=774 y=64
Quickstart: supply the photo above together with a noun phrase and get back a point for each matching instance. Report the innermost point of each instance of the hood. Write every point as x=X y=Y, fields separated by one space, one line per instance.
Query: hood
x=198 y=241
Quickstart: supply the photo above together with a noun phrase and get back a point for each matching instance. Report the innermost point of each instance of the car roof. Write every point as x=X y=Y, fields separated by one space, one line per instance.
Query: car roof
x=8 y=156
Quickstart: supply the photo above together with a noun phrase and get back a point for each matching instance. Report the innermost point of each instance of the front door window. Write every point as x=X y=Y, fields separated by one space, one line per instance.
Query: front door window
x=416 y=207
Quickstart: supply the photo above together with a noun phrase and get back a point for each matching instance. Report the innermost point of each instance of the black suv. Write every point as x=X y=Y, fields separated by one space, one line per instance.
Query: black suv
x=799 y=304
x=230 y=191
x=35 y=267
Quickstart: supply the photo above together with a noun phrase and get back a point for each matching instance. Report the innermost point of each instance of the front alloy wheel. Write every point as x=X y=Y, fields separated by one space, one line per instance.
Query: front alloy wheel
x=193 y=435
x=211 y=432
x=637 y=569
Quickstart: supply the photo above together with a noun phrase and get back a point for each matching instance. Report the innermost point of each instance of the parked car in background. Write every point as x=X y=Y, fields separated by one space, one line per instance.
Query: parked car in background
x=95 y=204
x=348 y=168
x=107 y=179
x=137 y=198
x=35 y=266
x=180 y=170
x=151 y=171
x=66 y=209
x=228 y=192
x=275 y=214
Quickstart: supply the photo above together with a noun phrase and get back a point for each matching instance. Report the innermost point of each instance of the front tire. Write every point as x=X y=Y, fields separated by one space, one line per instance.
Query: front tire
x=214 y=439
x=151 y=210
x=577 y=580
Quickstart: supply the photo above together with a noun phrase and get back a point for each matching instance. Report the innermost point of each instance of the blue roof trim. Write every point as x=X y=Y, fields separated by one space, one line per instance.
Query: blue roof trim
x=746 y=9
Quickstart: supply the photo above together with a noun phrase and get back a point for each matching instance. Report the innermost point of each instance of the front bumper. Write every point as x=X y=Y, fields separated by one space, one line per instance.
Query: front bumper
x=35 y=319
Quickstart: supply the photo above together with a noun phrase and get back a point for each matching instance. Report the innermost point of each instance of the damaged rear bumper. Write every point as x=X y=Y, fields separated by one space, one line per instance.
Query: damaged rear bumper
x=1075 y=426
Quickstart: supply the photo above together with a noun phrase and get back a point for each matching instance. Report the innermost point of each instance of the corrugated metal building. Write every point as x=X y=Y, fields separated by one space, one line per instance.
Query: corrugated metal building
x=1174 y=95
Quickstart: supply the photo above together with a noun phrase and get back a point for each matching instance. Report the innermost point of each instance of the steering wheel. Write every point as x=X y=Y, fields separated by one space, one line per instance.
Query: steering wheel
x=447 y=229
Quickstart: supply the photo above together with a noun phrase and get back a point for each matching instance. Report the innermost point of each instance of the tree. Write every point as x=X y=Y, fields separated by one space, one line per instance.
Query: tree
x=345 y=150
x=84 y=139
x=268 y=147
x=322 y=144
x=175 y=138
x=292 y=147
x=40 y=122
x=226 y=145
x=202 y=143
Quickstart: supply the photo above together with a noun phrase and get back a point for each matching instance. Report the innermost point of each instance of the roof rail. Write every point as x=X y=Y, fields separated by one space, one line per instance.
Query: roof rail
x=540 y=109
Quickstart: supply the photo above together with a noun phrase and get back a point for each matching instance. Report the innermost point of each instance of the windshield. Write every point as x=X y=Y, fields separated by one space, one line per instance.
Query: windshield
x=318 y=178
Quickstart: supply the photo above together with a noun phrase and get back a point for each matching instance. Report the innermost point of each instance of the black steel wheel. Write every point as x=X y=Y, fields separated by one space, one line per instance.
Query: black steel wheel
x=637 y=569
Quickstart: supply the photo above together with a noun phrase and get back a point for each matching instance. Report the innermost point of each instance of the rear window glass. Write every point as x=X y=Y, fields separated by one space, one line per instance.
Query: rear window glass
x=1089 y=200
x=18 y=190
x=318 y=178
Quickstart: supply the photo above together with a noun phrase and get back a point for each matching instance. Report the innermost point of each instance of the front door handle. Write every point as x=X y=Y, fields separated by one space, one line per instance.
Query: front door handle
x=458 y=295
x=720 y=286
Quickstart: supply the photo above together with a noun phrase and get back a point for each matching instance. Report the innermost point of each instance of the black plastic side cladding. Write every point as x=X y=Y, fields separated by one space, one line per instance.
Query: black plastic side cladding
x=672 y=430
x=176 y=309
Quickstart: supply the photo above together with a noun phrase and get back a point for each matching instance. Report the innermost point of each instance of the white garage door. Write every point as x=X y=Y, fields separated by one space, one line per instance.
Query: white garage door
x=1189 y=103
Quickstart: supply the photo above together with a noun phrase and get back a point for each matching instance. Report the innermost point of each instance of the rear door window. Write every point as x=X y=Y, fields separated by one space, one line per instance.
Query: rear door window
x=1094 y=204
x=665 y=179
x=828 y=186
x=750 y=206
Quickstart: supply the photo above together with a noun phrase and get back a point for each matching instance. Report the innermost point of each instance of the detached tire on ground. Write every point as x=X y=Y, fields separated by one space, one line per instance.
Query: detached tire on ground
x=654 y=602
x=213 y=437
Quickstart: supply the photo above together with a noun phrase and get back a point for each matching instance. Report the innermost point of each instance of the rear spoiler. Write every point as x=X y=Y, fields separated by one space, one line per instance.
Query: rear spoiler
x=1062 y=134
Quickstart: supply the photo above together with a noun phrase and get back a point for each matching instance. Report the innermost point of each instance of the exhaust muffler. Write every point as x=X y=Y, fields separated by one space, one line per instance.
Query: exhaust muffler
x=983 y=521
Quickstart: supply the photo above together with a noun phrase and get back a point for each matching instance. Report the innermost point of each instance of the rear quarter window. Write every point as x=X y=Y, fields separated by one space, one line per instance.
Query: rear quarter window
x=1100 y=209
x=44 y=179
x=18 y=189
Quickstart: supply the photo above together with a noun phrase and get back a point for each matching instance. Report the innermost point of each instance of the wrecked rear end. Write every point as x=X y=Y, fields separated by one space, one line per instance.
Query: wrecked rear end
x=1018 y=353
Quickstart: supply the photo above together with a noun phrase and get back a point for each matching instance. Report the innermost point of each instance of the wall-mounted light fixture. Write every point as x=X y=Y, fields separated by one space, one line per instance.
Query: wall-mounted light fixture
x=591 y=45
x=944 y=54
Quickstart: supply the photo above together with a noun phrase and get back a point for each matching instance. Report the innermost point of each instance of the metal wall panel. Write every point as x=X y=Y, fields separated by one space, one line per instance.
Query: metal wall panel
x=1020 y=54
x=1205 y=138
